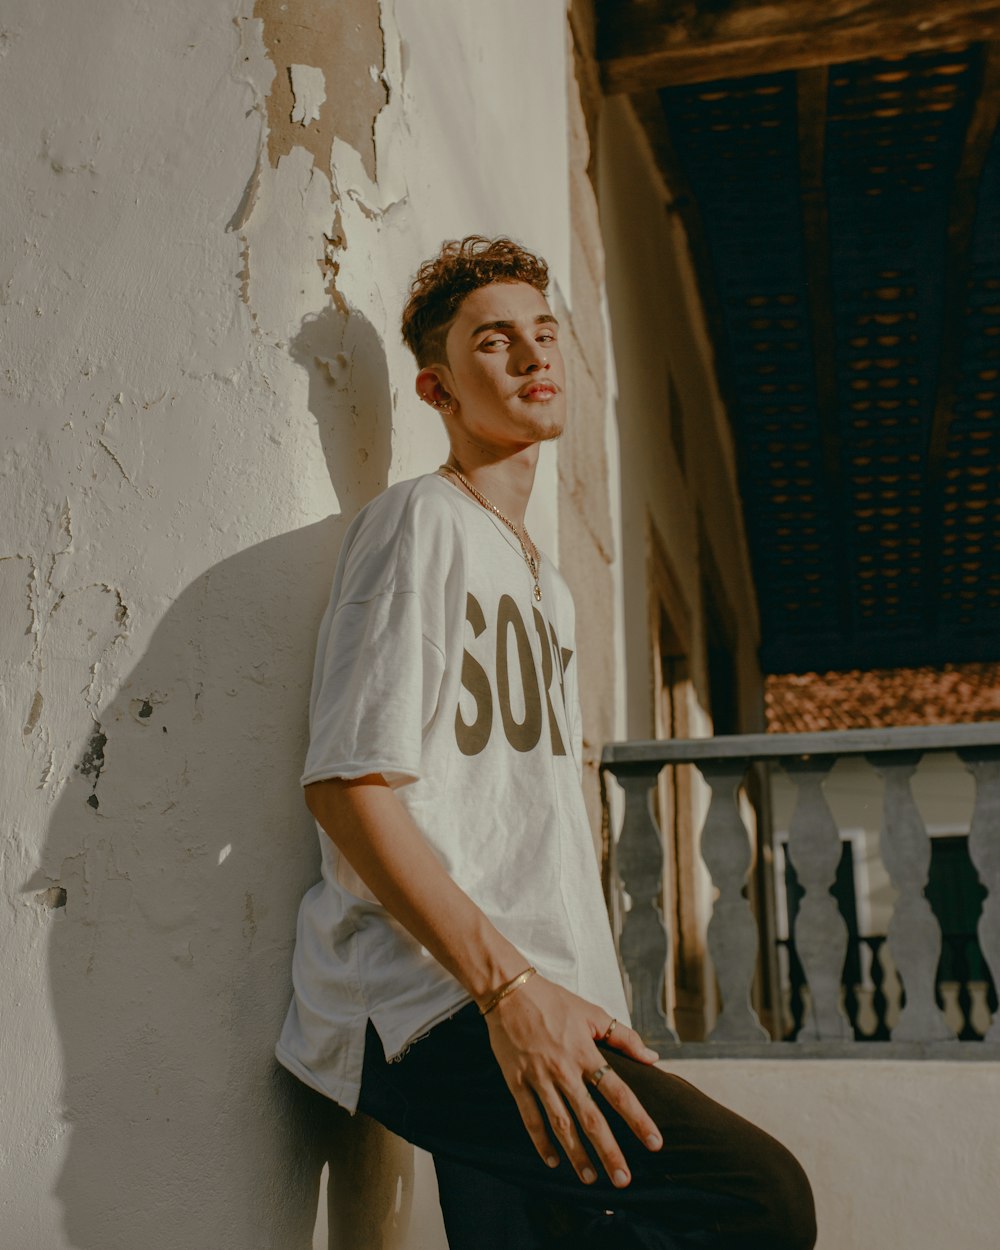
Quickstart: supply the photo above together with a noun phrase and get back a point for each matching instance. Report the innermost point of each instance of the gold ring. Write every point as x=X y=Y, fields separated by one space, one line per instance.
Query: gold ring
x=609 y=1030
x=596 y=1077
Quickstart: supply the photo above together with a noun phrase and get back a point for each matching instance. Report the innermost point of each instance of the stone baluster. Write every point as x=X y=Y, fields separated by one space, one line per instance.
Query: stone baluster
x=984 y=851
x=961 y=964
x=732 y=931
x=914 y=935
x=796 y=997
x=880 y=1002
x=852 y=998
x=644 y=944
x=820 y=931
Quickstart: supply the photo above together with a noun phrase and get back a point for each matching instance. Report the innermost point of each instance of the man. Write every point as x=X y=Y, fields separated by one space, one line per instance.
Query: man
x=454 y=972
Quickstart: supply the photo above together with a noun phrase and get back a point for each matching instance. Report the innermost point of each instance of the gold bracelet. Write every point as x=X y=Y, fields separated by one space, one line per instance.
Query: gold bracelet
x=509 y=988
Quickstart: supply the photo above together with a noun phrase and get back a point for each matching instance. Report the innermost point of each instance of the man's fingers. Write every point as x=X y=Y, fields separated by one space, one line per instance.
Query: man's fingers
x=535 y=1124
x=619 y=1095
x=629 y=1043
x=586 y=1121
x=561 y=1123
x=598 y=1132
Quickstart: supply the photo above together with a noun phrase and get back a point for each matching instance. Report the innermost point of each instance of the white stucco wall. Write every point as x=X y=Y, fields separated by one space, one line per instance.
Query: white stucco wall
x=202 y=381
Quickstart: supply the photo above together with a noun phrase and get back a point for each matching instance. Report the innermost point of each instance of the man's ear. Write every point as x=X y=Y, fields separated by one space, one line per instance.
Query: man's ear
x=432 y=387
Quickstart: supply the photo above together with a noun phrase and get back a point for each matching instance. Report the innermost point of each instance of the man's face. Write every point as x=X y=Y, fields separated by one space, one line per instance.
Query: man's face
x=505 y=375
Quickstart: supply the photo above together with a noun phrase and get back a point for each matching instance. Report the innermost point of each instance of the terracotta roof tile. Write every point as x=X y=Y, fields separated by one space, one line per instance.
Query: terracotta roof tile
x=880 y=698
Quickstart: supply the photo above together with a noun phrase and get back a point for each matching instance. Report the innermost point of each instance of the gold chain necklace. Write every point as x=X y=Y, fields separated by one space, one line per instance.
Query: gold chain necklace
x=531 y=560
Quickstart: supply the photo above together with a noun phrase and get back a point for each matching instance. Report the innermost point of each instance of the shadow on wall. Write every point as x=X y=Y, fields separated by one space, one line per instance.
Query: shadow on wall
x=183 y=847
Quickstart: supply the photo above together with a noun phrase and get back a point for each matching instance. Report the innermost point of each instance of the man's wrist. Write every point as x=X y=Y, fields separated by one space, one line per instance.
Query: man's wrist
x=506 y=989
x=489 y=960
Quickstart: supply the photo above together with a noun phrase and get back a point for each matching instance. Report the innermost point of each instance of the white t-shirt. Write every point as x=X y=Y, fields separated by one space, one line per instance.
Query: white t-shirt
x=436 y=668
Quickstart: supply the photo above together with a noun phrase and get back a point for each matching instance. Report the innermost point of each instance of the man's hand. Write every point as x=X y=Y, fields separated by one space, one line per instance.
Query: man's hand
x=545 y=1041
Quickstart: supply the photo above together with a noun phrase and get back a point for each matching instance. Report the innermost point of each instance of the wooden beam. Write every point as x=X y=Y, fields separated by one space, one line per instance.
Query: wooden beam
x=583 y=24
x=644 y=45
x=583 y=40
x=811 y=92
x=958 y=271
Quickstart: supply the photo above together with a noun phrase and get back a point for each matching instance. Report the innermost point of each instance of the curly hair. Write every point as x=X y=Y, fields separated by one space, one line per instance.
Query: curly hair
x=461 y=267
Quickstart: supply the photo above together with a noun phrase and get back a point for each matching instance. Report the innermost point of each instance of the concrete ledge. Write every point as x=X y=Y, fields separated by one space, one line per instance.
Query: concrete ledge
x=848 y=1052
x=901 y=1155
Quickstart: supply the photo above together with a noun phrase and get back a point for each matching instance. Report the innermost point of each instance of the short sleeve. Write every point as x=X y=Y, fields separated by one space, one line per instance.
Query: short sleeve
x=380 y=655
x=368 y=714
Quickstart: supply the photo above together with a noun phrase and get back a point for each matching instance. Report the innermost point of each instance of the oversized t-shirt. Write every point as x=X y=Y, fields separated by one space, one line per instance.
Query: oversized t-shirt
x=437 y=668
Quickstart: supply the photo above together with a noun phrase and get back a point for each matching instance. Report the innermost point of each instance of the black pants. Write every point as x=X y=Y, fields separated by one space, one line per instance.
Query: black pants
x=718 y=1183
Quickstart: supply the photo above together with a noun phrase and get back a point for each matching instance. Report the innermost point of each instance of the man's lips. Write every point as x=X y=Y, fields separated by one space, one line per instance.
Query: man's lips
x=539 y=390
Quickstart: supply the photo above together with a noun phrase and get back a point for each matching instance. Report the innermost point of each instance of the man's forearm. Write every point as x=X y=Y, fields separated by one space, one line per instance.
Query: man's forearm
x=381 y=842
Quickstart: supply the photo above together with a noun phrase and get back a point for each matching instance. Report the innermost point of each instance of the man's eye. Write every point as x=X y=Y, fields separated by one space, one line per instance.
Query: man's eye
x=497 y=342
x=547 y=337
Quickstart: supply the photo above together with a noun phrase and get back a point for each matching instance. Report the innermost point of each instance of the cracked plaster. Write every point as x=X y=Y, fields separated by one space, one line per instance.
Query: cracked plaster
x=308 y=92
x=203 y=381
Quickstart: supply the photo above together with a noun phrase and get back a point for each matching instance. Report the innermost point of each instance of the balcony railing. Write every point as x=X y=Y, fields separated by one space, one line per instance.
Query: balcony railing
x=872 y=989
x=825 y=1010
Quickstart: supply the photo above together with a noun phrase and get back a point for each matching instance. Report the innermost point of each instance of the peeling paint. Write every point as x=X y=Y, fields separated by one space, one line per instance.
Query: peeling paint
x=141 y=709
x=341 y=41
x=92 y=761
x=245 y=207
x=121 y=467
x=244 y=273
x=66 y=526
x=34 y=715
x=330 y=265
x=17 y=610
x=286 y=275
x=351 y=180
x=195 y=419
x=319 y=95
x=308 y=93
x=54 y=897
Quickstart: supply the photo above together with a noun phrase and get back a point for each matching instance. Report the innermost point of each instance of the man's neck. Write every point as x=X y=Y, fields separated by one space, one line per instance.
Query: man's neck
x=505 y=481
